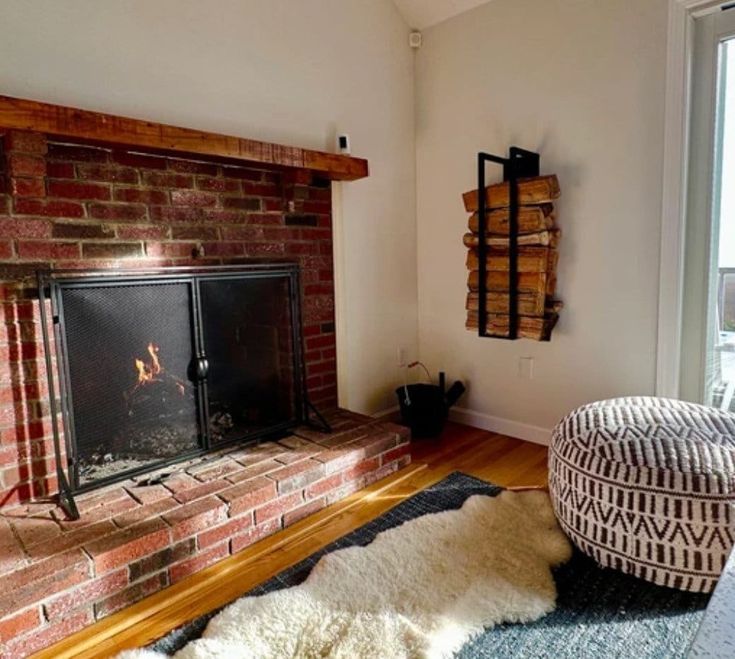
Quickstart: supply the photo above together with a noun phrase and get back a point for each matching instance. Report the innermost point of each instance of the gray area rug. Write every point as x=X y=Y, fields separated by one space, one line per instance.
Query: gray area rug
x=600 y=613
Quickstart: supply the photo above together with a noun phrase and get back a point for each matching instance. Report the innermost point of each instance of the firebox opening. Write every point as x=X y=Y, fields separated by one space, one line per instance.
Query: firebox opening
x=158 y=369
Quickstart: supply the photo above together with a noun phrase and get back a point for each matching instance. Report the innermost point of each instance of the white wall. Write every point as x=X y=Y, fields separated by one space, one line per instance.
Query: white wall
x=582 y=81
x=278 y=70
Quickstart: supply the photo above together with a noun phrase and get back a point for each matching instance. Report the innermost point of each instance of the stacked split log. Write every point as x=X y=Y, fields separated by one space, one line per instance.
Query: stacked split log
x=538 y=239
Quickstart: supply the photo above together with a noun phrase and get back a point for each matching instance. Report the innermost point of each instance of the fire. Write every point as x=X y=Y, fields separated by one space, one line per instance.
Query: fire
x=149 y=372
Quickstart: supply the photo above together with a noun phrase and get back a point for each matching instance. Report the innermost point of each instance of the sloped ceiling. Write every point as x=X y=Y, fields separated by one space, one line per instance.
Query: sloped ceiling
x=420 y=14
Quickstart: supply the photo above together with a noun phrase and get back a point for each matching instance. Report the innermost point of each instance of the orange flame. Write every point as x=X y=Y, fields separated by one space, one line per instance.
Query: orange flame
x=152 y=371
x=149 y=372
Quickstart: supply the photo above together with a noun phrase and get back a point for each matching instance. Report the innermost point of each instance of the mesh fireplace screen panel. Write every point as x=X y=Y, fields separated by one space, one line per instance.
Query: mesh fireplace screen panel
x=128 y=350
x=247 y=332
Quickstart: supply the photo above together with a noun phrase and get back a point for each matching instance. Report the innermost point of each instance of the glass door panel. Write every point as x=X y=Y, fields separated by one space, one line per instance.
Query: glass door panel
x=708 y=336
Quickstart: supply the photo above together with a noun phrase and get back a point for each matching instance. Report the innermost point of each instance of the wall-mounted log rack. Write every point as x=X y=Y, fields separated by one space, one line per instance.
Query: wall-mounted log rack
x=512 y=250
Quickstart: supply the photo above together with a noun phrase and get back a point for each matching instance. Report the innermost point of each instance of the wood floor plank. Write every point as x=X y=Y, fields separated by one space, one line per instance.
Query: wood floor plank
x=503 y=460
x=536 y=473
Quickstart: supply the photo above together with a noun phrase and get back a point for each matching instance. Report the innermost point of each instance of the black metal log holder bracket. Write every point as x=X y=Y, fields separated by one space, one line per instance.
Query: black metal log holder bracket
x=520 y=163
x=52 y=336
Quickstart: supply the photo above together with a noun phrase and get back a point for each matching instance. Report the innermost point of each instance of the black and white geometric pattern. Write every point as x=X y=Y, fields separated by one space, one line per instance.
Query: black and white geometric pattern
x=647 y=486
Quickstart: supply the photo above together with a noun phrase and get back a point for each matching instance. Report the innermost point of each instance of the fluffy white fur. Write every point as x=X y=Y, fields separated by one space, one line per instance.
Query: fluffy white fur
x=421 y=589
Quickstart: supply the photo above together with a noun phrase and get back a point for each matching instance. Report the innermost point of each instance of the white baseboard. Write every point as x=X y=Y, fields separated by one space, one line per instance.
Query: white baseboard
x=526 y=431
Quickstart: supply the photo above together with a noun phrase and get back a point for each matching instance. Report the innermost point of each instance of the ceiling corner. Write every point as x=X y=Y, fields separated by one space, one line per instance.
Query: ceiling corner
x=422 y=14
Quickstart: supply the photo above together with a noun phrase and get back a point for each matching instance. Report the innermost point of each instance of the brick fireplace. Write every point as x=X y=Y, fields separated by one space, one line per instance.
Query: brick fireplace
x=71 y=205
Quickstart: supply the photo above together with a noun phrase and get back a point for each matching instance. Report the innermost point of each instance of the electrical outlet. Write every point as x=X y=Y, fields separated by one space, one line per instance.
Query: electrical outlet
x=402 y=357
x=525 y=368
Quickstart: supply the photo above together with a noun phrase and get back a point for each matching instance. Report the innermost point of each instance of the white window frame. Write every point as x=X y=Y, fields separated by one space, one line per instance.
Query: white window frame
x=673 y=207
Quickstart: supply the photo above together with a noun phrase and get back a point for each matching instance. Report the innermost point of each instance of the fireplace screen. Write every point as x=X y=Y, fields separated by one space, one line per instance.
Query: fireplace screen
x=158 y=368
x=128 y=350
x=249 y=345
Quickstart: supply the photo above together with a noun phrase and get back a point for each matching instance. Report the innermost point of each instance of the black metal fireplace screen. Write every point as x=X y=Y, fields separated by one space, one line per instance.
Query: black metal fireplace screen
x=157 y=367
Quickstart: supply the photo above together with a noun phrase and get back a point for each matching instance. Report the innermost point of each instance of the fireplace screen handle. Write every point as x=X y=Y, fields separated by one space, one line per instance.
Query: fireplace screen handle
x=201 y=368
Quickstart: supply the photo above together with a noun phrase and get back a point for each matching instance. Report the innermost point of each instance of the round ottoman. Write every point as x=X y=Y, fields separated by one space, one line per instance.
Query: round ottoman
x=647 y=486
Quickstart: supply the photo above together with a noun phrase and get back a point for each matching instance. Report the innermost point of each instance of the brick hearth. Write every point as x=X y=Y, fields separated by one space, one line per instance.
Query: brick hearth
x=133 y=540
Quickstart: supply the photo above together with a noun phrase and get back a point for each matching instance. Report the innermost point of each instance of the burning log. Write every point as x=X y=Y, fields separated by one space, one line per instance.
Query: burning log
x=157 y=397
x=153 y=382
x=152 y=373
x=157 y=421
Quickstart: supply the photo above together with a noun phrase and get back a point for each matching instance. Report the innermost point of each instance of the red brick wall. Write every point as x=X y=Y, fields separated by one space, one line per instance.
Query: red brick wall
x=73 y=206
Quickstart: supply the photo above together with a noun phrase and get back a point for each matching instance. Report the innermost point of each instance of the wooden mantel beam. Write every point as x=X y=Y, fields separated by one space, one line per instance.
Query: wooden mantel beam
x=61 y=122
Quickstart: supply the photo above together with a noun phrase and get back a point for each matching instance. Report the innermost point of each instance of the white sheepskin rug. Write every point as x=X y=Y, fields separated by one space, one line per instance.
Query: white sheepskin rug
x=422 y=589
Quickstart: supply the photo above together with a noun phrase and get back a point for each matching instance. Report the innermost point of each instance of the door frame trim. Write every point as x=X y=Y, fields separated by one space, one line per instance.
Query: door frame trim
x=679 y=50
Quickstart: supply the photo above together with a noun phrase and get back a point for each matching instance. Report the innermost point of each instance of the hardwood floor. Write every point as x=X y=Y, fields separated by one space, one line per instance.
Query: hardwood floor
x=502 y=460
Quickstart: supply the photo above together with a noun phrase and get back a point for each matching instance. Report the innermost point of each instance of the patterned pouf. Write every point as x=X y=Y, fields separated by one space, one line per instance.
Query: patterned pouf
x=647 y=486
